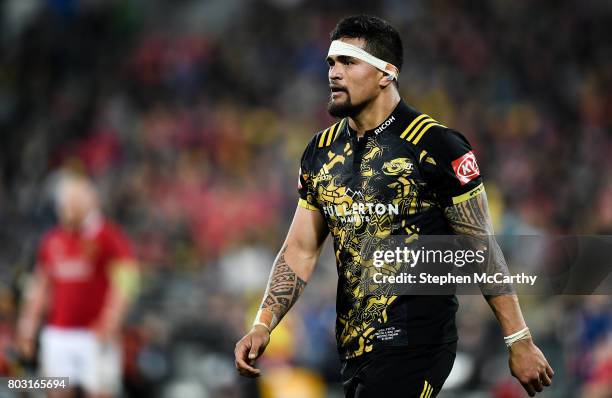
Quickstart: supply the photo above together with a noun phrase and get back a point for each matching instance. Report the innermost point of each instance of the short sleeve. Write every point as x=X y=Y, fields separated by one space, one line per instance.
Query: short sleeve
x=306 y=190
x=450 y=167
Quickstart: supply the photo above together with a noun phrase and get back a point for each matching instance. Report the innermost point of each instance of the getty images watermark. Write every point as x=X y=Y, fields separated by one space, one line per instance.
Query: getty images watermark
x=450 y=257
x=453 y=264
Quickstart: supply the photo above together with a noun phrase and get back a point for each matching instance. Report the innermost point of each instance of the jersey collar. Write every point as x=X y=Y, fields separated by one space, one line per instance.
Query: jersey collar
x=396 y=122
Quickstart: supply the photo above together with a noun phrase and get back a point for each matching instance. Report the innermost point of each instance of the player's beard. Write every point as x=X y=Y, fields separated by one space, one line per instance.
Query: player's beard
x=345 y=108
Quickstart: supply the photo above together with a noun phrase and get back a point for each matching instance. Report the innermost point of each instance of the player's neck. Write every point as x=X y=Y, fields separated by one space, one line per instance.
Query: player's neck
x=92 y=223
x=375 y=112
x=88 y=225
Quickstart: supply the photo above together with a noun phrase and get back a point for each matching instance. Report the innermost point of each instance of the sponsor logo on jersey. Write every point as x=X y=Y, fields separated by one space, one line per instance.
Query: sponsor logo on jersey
x=359 y=210
x=72 y=269
x=362 y=209
x=397 y=166
x=385 y=124
x=323 y=175
x=466 y=168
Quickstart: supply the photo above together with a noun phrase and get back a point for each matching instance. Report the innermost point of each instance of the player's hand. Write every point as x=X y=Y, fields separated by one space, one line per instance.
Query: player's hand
x=530 y=367
x=249 y=348
x=26 y=347
x=26 y=337
x=107 y=330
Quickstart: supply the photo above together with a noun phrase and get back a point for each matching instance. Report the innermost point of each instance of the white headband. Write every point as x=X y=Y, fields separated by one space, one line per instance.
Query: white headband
x=338 y=47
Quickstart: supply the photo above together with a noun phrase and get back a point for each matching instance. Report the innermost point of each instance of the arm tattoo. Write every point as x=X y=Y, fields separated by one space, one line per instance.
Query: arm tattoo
x=471 y=218
x=284 y=288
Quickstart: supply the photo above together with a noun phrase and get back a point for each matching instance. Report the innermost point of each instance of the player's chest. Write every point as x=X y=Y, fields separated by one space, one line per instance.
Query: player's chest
x=368 y=177
x=73 y=259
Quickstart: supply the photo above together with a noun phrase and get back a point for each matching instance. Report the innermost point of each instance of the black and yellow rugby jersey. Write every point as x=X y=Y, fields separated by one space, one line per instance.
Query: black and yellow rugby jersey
x=395 y=180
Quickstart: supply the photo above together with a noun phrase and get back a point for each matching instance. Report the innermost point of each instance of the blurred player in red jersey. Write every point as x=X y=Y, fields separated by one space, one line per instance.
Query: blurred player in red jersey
x=84 y=280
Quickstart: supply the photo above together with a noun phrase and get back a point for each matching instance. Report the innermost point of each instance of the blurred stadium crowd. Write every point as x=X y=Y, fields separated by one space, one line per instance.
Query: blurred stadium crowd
x=191 y=117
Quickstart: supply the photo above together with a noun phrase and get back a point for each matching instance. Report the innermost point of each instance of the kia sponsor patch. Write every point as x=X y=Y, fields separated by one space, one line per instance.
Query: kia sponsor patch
x=466 y=168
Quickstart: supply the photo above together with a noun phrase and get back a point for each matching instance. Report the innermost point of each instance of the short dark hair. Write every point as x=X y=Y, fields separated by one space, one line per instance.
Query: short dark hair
x=382 y=40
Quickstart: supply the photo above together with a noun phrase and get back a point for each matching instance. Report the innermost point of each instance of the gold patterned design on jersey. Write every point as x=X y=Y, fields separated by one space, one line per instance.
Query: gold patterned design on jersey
x=384 y=182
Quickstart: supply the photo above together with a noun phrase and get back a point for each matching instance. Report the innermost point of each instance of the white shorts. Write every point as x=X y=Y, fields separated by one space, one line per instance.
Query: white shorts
x=79 y=355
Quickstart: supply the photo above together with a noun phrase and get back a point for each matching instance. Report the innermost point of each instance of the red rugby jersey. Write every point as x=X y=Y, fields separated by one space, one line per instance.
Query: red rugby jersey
x=77 y=264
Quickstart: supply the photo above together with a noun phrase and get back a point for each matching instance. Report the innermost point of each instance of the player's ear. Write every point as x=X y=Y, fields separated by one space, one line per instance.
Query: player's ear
x=385 y=80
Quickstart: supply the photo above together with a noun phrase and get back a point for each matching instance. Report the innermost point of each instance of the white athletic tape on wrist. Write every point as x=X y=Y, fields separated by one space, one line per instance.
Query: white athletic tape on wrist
x=338 y=47
x=266 y=318
x=262 y=324
x=514 y=337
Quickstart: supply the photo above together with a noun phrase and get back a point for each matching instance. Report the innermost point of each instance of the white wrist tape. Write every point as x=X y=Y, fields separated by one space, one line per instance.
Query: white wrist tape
x=514 y=337
x=338 y=47
x=265 y=318
x=262 y=324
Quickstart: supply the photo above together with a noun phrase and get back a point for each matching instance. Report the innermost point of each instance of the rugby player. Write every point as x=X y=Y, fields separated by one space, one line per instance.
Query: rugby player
x=385 y=169
x=84 y=281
